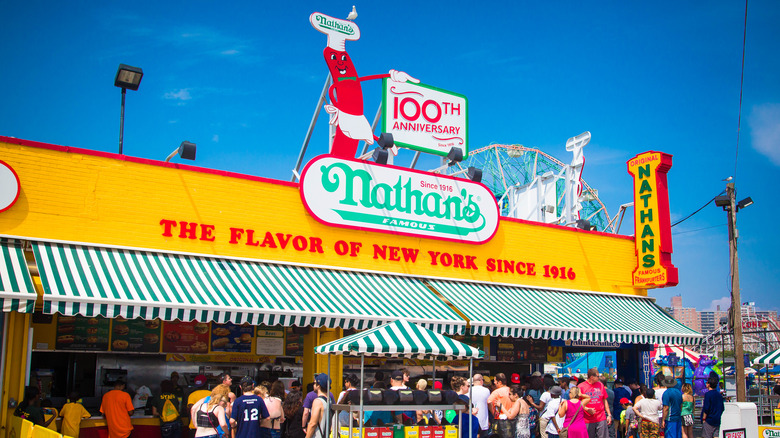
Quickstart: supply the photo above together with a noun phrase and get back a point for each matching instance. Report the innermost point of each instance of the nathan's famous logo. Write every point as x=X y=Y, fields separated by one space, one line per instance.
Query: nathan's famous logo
x=368 y=196
x=771 y=433
x=337 y=25
x=399 y=197
x=651 y=220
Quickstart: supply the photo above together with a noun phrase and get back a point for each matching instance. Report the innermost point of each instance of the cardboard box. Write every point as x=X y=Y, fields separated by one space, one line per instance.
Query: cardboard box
x=377 y=432
x=411 y=431
x=344 y=432
x=451 y=431
x=432 y=431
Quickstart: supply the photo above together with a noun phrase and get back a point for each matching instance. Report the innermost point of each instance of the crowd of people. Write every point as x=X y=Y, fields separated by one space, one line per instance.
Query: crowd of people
x=535 y=406
x=538 y=406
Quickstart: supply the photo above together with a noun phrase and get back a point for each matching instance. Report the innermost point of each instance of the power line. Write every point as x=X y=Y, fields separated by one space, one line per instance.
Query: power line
x=698 y=229
x=741 y=83
x=699 y=209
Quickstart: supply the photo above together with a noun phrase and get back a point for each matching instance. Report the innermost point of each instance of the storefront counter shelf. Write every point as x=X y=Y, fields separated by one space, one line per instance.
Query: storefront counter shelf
x=143 y=426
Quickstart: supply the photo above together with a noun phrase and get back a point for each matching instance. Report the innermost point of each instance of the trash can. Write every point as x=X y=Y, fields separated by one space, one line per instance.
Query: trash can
x=738 y=415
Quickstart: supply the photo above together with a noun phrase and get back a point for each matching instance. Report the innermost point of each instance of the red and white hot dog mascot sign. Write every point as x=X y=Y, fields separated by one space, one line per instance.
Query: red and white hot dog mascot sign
x=346 y=95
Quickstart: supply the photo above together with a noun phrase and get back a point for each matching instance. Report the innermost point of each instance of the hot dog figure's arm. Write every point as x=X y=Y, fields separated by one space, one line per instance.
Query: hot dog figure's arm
x=394 y=75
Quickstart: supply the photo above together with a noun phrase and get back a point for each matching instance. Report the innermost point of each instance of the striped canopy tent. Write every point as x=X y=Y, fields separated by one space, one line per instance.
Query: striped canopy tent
x=771 y=358
x=679 y=350
x=401 y=338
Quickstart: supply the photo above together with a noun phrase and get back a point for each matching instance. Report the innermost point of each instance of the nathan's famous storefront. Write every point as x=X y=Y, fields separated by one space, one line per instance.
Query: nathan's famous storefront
x=114 y=266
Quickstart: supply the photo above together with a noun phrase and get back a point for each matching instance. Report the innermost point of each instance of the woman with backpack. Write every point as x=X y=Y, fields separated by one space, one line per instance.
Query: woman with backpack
x=166 y=406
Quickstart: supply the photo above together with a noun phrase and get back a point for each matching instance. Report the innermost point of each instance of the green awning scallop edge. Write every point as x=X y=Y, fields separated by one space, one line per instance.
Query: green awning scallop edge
x=520 y=312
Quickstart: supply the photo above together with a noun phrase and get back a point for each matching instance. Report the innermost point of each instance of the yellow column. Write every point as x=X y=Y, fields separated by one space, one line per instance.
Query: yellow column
x=17 y=336
x=317 y=363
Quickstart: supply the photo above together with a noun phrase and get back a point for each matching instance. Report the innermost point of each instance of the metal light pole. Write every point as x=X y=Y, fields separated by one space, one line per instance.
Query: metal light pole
x=127 y=77
x=729 y=204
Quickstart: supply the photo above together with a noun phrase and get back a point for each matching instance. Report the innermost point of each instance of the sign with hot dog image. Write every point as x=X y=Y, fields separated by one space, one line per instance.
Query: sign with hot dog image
x=232 y=338
x=346 y=94
x=135 y=335
x=185 y=337
x=79 y=333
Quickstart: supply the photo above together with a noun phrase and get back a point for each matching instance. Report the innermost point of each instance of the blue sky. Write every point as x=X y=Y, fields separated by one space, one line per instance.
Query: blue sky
x=241 y=79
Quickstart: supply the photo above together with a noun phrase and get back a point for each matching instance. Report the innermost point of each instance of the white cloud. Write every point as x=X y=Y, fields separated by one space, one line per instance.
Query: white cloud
x=230 y=52
x=765 y=130
x=724 y=303
x=215 y=138
x=183 y=94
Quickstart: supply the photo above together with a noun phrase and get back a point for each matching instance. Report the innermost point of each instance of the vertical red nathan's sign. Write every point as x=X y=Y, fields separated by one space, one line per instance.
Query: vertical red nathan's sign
x=652 y=227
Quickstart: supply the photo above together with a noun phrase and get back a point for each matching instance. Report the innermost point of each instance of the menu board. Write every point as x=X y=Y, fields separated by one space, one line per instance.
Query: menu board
x=79 y=333
x=294 y=344
x=270 y=341
x=135 y=335
x=232 y=338
x=525 y=350
x=185 y=337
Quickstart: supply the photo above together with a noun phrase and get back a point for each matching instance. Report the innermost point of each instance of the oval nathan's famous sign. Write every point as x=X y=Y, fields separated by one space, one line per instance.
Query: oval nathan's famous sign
x=368 y=196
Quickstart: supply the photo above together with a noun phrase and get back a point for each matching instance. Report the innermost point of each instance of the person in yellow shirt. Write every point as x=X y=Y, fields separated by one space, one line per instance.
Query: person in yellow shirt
x=197 y=395
x=72 y=414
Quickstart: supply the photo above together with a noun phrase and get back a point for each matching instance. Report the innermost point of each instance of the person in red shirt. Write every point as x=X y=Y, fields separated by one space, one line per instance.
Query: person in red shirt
x=597 y=412
x=117 y=407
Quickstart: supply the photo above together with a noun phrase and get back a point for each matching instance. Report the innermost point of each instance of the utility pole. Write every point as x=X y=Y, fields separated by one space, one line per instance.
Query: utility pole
x=735 y=315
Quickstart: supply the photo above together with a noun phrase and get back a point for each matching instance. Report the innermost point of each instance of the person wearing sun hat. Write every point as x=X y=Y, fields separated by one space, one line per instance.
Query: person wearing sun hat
x=671 y=422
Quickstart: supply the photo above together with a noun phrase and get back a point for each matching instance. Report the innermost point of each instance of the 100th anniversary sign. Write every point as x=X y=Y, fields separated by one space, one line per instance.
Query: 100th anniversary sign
x=368 y=196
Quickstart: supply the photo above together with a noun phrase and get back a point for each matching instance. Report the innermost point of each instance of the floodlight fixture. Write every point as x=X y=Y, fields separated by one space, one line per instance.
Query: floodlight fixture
x=744 y=203
x=380 y=155
x=723 y=201
x=128 y=77
x=186 y=151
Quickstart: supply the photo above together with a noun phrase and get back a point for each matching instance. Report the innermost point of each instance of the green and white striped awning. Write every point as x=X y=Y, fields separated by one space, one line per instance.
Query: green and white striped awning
x=17 y=293
x=112 y=282
x=550 y=314
x=771 y=358
x=400 y=339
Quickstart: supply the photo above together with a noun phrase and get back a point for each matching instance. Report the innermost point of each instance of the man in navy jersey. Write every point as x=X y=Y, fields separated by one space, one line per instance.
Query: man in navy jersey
x=248 y=411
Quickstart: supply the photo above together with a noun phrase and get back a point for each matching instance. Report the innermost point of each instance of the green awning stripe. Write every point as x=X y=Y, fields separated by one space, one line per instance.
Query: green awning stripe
x=771 y=358
x=539 y=313
x=17 y=293
x=111 y=282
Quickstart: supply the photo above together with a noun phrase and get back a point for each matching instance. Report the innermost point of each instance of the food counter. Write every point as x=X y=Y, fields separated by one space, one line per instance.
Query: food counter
x=143 y=426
